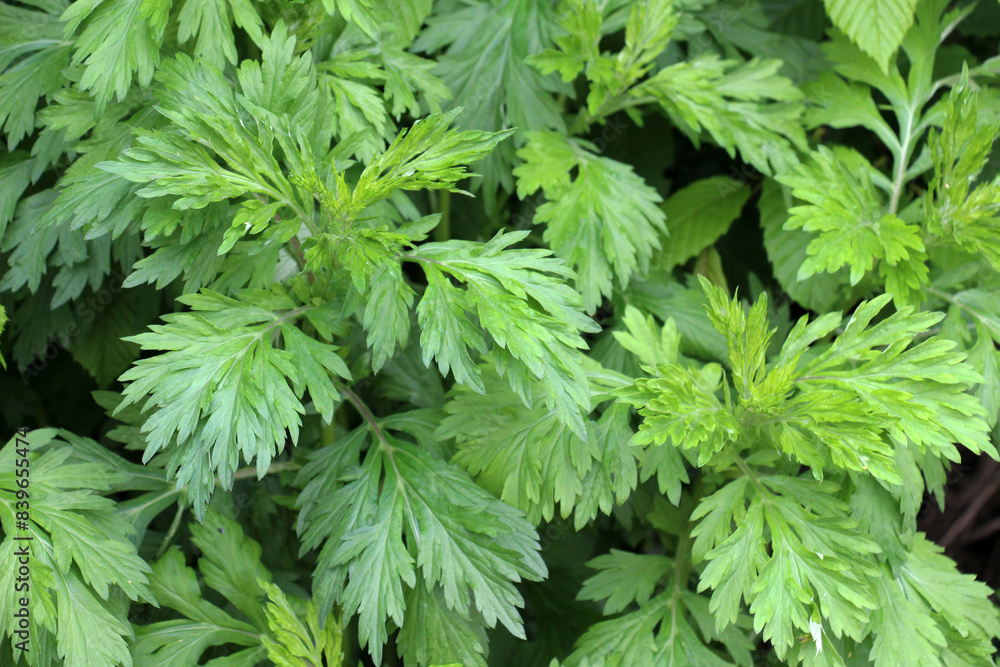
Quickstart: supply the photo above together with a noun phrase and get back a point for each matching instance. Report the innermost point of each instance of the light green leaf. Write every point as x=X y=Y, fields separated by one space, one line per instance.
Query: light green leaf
x=605 y=223
x=290 y=642
x=456 y=535
x=624 y=578
x=787 y=250
x=520 y=298
x=220 y=390
x=855 y=228
x=529 y=458
x=436 y=635
x=747 y=108
x=698 y=215
x=876 y=26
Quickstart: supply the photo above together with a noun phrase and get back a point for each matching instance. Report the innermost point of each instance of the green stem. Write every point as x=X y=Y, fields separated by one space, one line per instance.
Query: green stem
x=948 y=298
x=582 y=122
x=329 y=433
x=615 y=104
x=243 y=473
x=376 y=428
x=174 y=526
x=296 y=253
x=443 y=231
x=682 y=570
x=944 y=296
x=902 y=158
x=366 y=414
x=274 y=468
x=745 y=469
x=682 y=561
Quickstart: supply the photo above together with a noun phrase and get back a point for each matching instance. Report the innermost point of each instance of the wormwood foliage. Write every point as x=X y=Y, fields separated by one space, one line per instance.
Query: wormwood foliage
x=497 y=332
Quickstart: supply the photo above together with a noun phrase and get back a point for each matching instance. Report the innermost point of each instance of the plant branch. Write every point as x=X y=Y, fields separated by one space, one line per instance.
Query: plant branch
x=902 y=158
x=443 y=231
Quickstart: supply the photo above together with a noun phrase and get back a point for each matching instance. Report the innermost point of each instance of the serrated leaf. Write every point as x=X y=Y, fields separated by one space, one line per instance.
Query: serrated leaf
x=81 y=562
x=437 y=635
x=492 y=80
x=749 y=108
x=624 y=578
x=292 y=641
x=531 y=343
x=604 y=223
x=119 y=39
x=461 y=538
x=184 y=640
x=528 y=456
x=220 y=389
x=788 y=250
x=853 y=223
x=876 y=26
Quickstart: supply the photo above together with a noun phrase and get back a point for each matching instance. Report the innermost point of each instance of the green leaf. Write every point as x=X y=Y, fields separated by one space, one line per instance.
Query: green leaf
x=985 y=358
x=747 y=108
x=427 y=156
x=905 y=631
x=818 y=563
x=624 y=578
x=292 y=642
x=212 y=23
x=698 y=215
x=491 y=78
x=15 y=169
x=841 y=104
x=219 y=390
x=958 y=600
x=456 y=535
x=33 y=56
x=387 y=314
x=183 y=641
x=648 y=30
x=82 y=564
x=359 y=12
x=657 y=633
x=853 y=225
x=788 y=251
x=919 y=392
x=577 y=49
x=529 y=458
x=520 y=299
x=3 y=324
x=447 y=334
x=230 y=564
x=667 y=299
x=876 y=26
x=651 y=344
x=626 y=640
x=967 y=216
x=100 y=348
x=437 y=635
x=604 y=223
x=680 y=409
x=119 y=39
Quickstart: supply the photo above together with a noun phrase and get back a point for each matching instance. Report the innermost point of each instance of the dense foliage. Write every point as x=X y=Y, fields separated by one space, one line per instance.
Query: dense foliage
x=519 y=332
